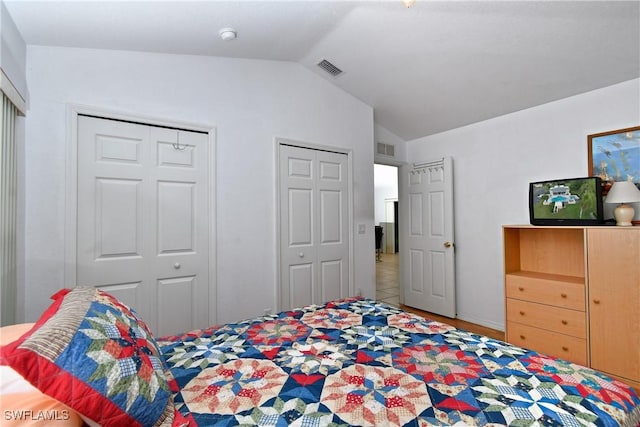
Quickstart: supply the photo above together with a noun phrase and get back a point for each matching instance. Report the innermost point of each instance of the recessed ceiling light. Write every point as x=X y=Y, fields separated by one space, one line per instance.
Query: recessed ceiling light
x=227 y=34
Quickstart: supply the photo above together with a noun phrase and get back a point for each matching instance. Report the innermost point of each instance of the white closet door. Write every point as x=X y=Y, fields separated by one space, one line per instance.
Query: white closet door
x=143 y=219
x=314 y=234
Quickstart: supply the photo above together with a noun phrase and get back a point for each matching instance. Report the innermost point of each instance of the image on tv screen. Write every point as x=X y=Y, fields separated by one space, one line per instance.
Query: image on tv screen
x=574 y=199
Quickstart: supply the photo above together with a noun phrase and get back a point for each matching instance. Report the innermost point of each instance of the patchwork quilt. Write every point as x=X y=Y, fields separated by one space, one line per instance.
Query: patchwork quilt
x=357 y=362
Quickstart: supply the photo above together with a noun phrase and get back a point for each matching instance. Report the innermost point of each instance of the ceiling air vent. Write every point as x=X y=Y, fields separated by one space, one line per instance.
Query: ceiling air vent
x=329 y=68
x=385 y=149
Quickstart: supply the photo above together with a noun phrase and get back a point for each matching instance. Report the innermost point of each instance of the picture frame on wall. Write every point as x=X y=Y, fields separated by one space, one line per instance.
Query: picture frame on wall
x=615 y=156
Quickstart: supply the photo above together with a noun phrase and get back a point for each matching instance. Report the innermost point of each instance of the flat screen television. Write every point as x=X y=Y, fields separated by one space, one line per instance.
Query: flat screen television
x=571 y=201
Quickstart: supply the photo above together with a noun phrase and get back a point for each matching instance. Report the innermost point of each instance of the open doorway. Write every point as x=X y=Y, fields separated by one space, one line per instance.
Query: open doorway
x=388 y=244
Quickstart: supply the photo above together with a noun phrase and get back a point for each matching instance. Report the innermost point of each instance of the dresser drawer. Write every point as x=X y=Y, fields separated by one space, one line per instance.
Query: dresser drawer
x=561 y=320
x=547 y=342
x=553 y=292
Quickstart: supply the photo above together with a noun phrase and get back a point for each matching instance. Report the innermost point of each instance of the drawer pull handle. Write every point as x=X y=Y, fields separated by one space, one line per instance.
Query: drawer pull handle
x=521 y=313
x=564 y=348
x=520 y=288
x=564 y=322
x=563 y=295
x=522 y=337
x=596 y=301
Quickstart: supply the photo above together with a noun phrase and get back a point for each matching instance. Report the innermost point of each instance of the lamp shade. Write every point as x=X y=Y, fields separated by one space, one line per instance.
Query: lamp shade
x=623 y=192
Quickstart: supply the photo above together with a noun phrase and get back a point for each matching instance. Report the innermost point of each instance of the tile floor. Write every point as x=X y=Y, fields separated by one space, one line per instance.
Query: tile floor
x=388 y=279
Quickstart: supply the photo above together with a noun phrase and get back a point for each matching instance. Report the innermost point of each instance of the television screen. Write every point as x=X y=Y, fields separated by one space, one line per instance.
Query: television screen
x=571 y=201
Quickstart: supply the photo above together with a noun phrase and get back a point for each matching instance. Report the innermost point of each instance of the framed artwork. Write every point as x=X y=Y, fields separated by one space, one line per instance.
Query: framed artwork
x=615 y=156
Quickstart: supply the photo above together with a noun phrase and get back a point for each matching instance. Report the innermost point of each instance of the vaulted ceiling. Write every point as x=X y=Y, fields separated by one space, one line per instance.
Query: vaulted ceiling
x=426 y=69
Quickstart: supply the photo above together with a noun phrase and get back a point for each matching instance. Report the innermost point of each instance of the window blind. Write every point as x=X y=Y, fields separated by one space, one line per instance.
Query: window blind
x=8 y=205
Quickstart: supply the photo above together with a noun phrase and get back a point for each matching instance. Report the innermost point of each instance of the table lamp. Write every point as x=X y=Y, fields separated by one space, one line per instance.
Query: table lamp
x=623 y=192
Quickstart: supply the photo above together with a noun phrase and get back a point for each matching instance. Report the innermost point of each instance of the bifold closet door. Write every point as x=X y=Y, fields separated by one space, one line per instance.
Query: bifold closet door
x=314 y=233
x=142 y=226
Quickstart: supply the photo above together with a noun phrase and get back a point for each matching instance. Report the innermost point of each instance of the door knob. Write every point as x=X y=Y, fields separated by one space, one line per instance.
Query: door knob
x=176 y=265
x=301 y=254
x=448 y=244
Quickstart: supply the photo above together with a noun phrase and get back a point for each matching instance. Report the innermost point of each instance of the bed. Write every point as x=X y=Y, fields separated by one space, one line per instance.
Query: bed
x=344 y=363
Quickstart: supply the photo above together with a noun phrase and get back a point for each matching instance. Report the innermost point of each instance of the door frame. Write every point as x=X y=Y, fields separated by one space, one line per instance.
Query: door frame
x=71 y=191
x=278 y=142
x=401 y=195
x=395 y=206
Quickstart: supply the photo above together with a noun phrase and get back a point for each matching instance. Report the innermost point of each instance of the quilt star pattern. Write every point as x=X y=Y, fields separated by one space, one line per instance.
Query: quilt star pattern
x=357 y=362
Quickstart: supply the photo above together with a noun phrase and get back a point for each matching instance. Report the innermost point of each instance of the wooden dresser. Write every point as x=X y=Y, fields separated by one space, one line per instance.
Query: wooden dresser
x=574 y=293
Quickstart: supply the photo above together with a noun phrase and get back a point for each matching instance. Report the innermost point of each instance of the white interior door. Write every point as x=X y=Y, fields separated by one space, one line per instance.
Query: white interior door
x=427 y=260
x=142 y=225
x=314 y=226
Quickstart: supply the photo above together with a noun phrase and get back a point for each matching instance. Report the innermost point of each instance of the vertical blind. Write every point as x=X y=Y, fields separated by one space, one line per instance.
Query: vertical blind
x=8 y=204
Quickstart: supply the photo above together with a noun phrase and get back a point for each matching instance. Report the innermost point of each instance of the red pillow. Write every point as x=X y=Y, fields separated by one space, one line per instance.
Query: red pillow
x=92 y=353
x=23 y=405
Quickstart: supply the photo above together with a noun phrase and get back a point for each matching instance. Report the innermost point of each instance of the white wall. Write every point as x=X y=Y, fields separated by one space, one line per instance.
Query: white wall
x=249 y=102
x=13 y=52
x=385 y=187
x=493 y=163
x=382 y=134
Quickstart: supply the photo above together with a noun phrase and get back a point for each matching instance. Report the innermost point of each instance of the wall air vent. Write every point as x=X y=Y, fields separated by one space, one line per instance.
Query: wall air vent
x=391 y=150
x=386 y=149
x=329 y=68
